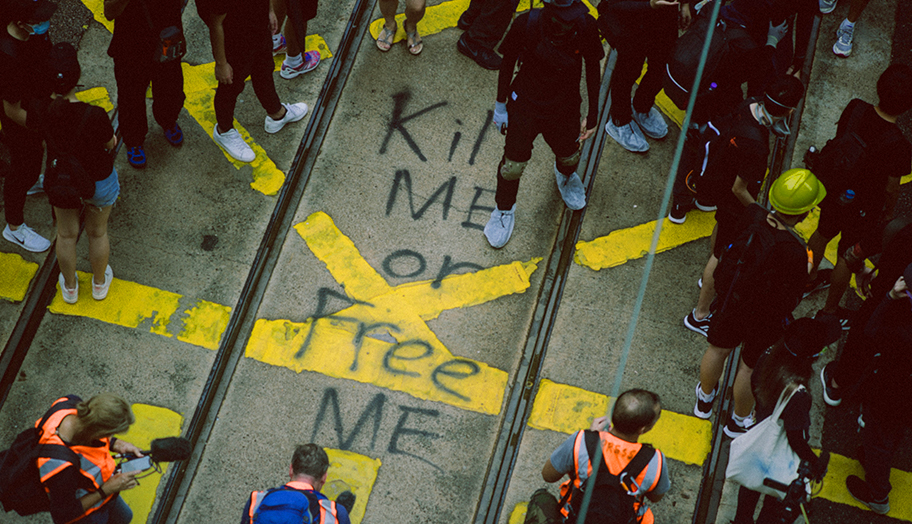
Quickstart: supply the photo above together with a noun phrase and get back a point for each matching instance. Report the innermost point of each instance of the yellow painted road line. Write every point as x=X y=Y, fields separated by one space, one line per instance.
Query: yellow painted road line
x=383 y=338
x=152 y=422
x=352 y=472
x=567 y=409
x=834 y=487
x=130 y=304
x=623 y=245
x=97 y=96
x=16 y=274
x=518 y=515
x=97 y=9
x=444 y=16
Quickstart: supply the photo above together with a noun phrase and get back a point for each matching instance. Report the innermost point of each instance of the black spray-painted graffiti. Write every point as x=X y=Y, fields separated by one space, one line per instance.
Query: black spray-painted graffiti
x=403 y=178
x=403 y=256
x=397 y=125
x=373 y=413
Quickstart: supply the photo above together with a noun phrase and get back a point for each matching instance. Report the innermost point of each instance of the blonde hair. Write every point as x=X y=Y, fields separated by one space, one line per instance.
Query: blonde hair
x=104 y=414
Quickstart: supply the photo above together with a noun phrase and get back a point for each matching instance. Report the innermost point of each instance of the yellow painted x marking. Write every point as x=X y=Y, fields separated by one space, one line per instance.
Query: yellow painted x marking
x=383 y=337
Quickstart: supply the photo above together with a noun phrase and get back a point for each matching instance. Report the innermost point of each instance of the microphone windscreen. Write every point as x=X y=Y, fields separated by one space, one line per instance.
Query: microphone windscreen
x=171 y=449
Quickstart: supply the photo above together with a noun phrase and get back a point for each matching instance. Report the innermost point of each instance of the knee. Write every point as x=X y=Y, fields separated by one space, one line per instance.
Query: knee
x=568 y=164
x=511 y=170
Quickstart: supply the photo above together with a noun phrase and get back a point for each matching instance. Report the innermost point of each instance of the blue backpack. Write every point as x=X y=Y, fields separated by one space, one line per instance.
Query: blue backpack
x=285 y=505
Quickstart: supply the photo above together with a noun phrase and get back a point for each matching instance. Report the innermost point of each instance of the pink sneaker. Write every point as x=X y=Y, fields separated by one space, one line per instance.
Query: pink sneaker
x=310 y=62
x=278 y=44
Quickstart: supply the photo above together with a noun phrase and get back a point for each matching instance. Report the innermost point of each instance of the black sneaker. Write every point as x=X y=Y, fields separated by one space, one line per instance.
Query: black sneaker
x=831 y=395
x=704 y=409
x=820 y=283
x=732 y=429
x=696 y=325
x=707 y=207
x=678 y=213
x=861 y=492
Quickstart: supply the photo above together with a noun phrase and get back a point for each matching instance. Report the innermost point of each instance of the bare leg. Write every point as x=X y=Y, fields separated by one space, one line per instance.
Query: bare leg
x=67 y=235
x=708 y=291
x=414 y=12
x=388 y=10
x=712 y=366
x=744 y=397
x=839 y=282
x=855 y=10
x=99 y=246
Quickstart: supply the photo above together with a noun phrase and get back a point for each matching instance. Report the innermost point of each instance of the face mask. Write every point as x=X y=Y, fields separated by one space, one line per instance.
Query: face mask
x=40 y=28
x=777 y=125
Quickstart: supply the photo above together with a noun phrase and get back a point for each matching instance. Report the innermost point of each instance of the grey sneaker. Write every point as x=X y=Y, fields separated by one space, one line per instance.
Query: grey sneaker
x=827 y=6
x=571 y=189
x=500 y=227
x=843 y=45
x=652 y=124
x=628 y=136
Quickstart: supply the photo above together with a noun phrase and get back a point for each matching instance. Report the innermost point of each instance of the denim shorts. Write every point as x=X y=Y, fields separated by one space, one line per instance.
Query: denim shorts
x=106 y=191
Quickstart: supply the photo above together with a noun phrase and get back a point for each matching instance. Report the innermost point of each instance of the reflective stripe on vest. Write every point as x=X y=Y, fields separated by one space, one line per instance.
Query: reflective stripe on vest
x=256 y=498
x=96 y=463
x=327 y=511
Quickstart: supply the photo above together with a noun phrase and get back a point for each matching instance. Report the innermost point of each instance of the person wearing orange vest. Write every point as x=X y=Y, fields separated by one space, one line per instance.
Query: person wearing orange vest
x=87 y=493
x=300 y=501
x=635 y=413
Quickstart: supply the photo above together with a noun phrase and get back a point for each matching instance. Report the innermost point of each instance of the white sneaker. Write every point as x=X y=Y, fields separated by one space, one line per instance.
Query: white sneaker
x=38 y=187
x=26 y=238
x=233 y=144
x=652 y=124
x=100 y=291
x=571 y=189
x=70 y=296
x=500 y=227
x=293 y=113
x=843 y=45
x=827 y=6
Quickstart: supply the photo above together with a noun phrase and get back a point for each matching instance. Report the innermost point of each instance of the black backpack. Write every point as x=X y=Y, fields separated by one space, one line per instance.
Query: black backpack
x=711 y=177
x=66 y=182
x=681 y=69
x=20 y=483
x=837 y=164
x=610 y=502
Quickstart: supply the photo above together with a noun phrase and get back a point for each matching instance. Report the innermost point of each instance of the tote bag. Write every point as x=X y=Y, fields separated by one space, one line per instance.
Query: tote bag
x=764 y=452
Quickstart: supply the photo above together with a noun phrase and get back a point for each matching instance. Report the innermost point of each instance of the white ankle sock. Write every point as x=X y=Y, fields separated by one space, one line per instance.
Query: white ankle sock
x=704 y=397
x=294 y=61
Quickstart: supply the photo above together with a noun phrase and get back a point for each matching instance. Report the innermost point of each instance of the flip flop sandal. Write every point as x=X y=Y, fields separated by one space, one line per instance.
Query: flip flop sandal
x=417 y=43
x=385 y=39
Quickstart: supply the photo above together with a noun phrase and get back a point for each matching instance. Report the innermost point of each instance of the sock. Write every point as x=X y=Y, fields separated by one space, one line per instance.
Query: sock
x=740 y=420
x=703 y=396
x=276 y=39
x=294 y=61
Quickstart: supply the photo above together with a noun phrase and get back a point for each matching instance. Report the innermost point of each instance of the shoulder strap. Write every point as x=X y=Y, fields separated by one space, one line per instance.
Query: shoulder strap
x=56 y=451
x=59 y=406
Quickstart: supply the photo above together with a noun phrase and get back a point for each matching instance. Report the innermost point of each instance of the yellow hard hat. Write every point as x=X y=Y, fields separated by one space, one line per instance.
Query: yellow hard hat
x=796 y=191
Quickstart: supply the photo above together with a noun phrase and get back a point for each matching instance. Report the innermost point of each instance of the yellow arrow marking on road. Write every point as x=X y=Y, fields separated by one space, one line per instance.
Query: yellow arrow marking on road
x=568 y=409
x=152 y=422
x=129 y=304
x=15 y=276
x=342 y=345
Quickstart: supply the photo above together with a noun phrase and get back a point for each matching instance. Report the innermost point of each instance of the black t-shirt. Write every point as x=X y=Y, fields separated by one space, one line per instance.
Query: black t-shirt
x=61 y=129
x=135 y=35
x=549 y=77
x=888 y=154
x=23 y=72
x=637 y=25
x=244 y=18
x=740 y=151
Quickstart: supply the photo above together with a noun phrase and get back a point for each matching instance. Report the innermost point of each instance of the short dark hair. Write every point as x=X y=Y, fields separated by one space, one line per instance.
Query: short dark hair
x=784 y=92
x=309 y=459
x=894 y=90
x=635 y=409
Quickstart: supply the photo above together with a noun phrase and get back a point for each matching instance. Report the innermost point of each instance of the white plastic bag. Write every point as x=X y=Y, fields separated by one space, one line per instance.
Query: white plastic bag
x=764 y=452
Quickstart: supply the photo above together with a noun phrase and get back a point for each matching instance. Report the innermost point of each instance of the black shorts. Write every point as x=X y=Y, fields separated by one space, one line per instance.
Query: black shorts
x=854 y=224
x=526 y=123
x=729 y=227
x=757 y=332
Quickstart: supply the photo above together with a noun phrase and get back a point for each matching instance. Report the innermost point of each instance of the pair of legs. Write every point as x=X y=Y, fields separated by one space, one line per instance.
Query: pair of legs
x=626 y=71
x=747 y=504
x=414 y=12
x=854 y=226
x=253 y=58
x=711 y=368
x=96 y=227
x=133 y=77
x=26 y=150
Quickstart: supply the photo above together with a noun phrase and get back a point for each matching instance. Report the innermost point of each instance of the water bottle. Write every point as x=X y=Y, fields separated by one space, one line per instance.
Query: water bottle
x=847 y=197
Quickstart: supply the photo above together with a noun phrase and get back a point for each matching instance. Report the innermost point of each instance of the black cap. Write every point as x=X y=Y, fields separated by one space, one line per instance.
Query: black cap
x=907 y=274
x=29 y=10
x=806 y=337
x=64 y=66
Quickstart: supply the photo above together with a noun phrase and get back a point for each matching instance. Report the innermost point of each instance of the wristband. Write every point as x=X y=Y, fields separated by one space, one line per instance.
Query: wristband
x=101 y=492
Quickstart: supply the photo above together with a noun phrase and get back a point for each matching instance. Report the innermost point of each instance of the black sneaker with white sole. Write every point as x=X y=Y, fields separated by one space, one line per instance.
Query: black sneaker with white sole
x=732 y=429
x=831 y=395
x=861 y=491
x=703 y=409
x=678 y=213
x=696 y=325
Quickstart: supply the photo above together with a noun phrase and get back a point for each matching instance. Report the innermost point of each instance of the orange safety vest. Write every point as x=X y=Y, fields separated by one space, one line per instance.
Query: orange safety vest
x=327 y=507
x=96 y=463
x=616 y=453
